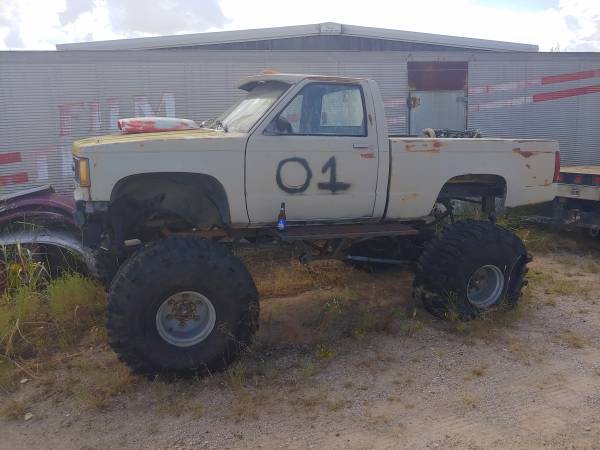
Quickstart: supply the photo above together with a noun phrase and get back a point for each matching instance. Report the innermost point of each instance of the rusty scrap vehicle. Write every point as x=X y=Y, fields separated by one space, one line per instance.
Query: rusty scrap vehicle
x=303 y=160
x=42 y=222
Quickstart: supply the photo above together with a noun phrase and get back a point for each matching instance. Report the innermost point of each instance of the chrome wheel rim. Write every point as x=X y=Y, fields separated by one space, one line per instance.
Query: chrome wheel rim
x=185 y=319
x=485 y=286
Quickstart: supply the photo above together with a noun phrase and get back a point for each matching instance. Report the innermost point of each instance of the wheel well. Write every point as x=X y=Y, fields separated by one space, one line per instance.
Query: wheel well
x=199 y=200
x=474 y=185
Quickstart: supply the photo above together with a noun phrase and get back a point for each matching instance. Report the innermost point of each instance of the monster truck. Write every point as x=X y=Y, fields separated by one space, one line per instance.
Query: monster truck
x=166 y=199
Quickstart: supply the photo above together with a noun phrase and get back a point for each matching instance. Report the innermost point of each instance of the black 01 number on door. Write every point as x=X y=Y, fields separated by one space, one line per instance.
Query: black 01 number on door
x=333 y=185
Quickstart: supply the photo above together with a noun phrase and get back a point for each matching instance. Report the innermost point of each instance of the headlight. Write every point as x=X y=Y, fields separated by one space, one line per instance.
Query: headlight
x=81 y=167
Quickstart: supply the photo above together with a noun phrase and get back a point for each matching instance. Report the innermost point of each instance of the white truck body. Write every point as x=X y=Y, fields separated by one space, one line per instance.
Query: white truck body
x=358 y=174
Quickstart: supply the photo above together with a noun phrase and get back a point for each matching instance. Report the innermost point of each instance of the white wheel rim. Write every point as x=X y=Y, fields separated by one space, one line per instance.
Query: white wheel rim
x=185 y=319
x=485 y=286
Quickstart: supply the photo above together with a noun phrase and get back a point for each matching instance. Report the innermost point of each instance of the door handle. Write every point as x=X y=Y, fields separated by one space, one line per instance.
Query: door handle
x=361 y=145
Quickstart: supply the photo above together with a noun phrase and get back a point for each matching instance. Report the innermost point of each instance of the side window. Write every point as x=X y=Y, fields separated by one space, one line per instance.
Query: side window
x=342 y=111
x=323 y=110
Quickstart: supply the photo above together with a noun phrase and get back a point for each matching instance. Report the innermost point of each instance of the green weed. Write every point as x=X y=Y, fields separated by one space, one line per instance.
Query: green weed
x=236 y=375
x=36 y=313
x=324 y=352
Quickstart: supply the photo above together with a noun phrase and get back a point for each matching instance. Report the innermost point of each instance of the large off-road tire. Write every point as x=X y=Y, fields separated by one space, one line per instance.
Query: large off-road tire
x=181 y=305
x=471 y=267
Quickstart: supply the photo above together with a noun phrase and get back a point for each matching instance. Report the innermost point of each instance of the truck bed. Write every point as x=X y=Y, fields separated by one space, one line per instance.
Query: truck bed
x=421 y=166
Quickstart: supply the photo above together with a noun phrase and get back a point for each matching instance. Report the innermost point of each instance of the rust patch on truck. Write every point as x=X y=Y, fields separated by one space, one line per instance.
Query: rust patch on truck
x=424 y=146
x=408 y=197
x=528 y=153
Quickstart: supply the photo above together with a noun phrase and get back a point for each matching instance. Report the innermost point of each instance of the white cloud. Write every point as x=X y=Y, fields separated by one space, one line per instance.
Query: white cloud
x=29 y=24
x=583 y=21
x=166 y=17
x=74 y=9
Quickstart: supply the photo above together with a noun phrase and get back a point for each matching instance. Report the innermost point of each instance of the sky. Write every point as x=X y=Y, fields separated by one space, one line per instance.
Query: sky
x=565 y=25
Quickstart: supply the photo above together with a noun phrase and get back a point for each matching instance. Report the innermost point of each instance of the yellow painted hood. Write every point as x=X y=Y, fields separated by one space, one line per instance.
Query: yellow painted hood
x=111 y=139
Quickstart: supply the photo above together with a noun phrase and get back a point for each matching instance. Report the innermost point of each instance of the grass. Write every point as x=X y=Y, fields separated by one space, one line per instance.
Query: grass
x=470 y=401
x=37 y=319
x=9 y=376
x=280 y=278
x=38 y=314
x=547 y=286
x=15 y=410
x=367 y=322
x=177 y=405
x=308 y=370
x=312 y=401
x=573 y=340
x=197 y=411
x=324 y=352
x=245 y=406
x=338 y=405
x=236 y=375
x=479 y=371
x=103 y=385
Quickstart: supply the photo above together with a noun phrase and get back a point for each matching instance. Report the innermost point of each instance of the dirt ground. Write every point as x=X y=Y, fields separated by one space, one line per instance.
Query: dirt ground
x=344 y=359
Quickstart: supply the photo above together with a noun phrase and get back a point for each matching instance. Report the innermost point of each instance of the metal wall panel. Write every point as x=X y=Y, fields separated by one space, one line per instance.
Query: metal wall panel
x=554 y=96
x=49 y=99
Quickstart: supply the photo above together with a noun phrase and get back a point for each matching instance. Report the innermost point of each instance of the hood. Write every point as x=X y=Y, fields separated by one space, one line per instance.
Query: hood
x=143 y=137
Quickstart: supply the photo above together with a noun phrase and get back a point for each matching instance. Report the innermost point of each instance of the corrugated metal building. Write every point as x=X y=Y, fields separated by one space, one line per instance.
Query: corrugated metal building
x=49 y=99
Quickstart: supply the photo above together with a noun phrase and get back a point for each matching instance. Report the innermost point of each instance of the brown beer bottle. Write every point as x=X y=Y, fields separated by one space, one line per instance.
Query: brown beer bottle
x=281 y=219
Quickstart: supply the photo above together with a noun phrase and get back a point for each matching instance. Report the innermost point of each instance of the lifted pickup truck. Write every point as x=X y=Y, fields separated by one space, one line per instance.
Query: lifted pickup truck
x=319 y=147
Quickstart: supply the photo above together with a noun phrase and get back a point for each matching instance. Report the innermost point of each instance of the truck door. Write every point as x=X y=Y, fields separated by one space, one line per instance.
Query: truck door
x=319 y=155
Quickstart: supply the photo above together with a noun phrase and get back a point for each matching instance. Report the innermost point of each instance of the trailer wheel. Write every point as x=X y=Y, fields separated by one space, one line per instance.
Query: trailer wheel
x=472 y=267
x=181 y=305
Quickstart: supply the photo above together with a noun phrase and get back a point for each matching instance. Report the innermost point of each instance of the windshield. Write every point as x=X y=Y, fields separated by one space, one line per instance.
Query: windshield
x=243 y=115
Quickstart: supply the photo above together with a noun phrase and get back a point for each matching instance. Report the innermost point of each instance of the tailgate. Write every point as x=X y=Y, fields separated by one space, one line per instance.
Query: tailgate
x=580 y=182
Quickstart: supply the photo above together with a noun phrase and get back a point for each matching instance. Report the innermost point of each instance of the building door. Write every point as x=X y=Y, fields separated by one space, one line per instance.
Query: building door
x=437 y=109
x=437 y=95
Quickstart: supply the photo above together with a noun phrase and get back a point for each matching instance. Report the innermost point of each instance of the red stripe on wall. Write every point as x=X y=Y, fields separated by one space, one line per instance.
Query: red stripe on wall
x=566 y=93
x=14 y=178
x=9 y=158
x=571 y=76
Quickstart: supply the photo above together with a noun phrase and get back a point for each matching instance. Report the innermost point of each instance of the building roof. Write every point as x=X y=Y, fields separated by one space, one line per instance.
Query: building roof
x=320 y=29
